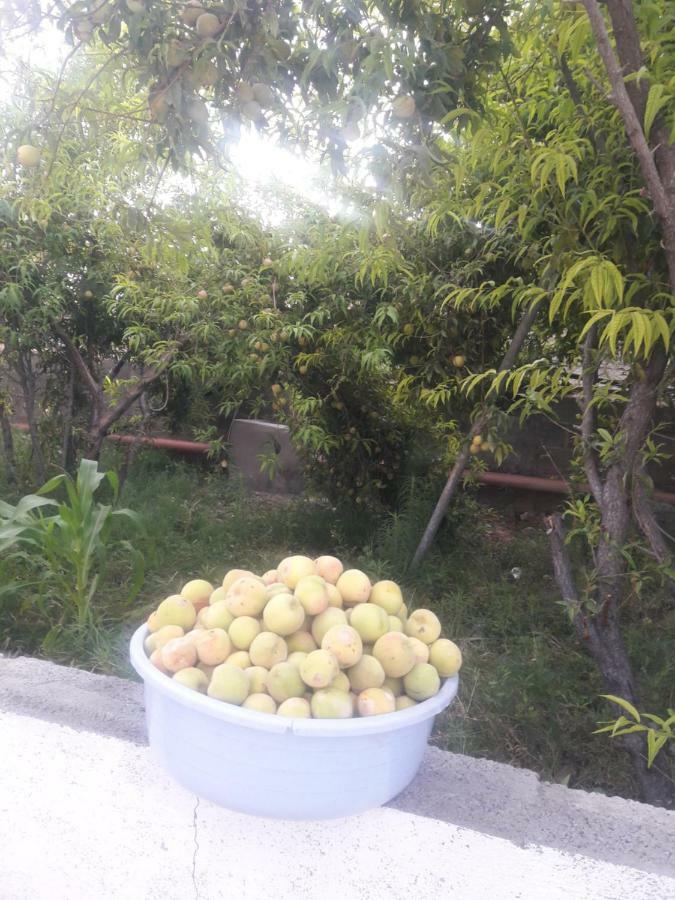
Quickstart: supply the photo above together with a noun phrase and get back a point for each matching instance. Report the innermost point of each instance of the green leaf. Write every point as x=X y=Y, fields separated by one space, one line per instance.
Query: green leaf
x=655 y=102
x=51 y=485
x=624 y=704
x=655 y=742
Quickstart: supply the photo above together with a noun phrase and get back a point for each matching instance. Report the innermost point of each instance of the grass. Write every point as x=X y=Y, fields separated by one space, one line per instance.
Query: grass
x=528 y=695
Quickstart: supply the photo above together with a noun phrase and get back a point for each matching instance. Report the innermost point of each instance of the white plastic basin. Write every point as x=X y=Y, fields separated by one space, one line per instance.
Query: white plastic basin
x=280 y=767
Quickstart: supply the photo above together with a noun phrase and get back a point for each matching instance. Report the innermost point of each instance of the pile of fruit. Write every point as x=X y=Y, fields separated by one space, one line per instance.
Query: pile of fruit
x=306 y=639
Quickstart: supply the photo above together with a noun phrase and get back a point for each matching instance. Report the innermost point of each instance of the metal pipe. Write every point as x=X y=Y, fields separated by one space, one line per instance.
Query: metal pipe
x=544 y=485
x=494 y=479
x=163 y=443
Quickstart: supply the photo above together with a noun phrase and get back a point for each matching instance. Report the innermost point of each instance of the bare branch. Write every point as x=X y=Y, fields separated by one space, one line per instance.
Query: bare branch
x=589 y=374
x=119 y=365
x=643 y=512
x=562 y=564
x=79 y=363
x=133 y=394
x=457 y=471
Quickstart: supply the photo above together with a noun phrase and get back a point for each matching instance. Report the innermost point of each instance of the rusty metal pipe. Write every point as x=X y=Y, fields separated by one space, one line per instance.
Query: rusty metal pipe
x=494 y=479
x=544 y=485
x=163 y=443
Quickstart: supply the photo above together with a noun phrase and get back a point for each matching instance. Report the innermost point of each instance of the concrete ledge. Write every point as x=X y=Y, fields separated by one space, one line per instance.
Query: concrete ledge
x=487 y=797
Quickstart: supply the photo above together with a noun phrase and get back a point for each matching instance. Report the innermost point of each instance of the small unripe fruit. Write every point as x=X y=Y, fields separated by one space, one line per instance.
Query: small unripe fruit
x=341 y=683
x=208 y=74
x=375 y=702
x=327 y=620
x=234 y=575
x=395 y=685
x=422 y=682
x=178 y=653
x=403 y=107
x=458 y=361
x=319 y=669
x=268 y=649
x=156 y=661
x=198 y=592
x=344 y=642
x=218 y=595
x=240 y=658
x=370 y=621
x=396 y=654
x=329 y=568
x=424 y=625
x=260 y=703
x=293 y=568
x=387 y=594
x=243 y=630
x=295 y=708
x=329 y=703
x=283 y=614
x=334 y=596
x=246 y=597
x=216 y=616
x=297 y=657
x=159 y=638
x=176 y=610
x=395 y=624
x=301 y=642
x=284 y=681
x=421 y=650
x=367 y=673
x=354 y=586
x=192 y=11
x=405 y=702
x=446 y=657
x=192 y=678
x=214 y=647
x=207 y=25
x=228 y=683
x=257 y=679
x=312 y=594
x=263 y=94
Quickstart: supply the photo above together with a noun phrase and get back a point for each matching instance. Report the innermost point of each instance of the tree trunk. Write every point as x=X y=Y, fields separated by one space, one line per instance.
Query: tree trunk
x=7 y=445
x=457 y=471
x=27 y=380
x=656 y=164
x=601 y=635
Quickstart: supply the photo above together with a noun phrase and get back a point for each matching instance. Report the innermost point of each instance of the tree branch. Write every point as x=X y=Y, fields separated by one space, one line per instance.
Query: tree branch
x=78 y=361
x=589 y=372
x=457 y=471
x=119 y=365
x=644 y=516
x=133 y=394
x=663 y=205
x=562 y=564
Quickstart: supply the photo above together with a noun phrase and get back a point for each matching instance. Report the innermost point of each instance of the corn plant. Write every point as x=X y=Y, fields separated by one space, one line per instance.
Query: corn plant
x=68 y=542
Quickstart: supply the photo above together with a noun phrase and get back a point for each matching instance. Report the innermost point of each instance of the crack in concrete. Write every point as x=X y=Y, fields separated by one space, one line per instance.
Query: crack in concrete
x=194 y=855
